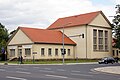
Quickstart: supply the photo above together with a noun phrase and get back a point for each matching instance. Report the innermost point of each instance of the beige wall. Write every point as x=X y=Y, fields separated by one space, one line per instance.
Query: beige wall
x=16 y=47
x=37 y=48
x=100 y=21
x=20 y=38
x=98 y=54
x=115 y=52
x=73 y=32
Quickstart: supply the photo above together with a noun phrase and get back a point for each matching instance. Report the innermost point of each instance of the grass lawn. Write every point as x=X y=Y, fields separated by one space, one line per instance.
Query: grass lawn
x=51 y=61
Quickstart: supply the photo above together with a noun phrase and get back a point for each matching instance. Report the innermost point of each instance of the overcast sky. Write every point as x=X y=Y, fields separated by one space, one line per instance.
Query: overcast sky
x=42 y=13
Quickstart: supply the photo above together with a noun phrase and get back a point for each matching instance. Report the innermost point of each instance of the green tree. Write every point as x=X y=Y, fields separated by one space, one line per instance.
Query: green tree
x=116 y=26
x=4 y=36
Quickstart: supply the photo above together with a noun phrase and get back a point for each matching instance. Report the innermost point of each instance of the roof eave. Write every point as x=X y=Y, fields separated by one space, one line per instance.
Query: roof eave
x=53 y=43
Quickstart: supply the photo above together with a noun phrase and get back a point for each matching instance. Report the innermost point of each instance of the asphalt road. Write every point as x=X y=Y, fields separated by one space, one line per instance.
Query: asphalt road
x=55 y=72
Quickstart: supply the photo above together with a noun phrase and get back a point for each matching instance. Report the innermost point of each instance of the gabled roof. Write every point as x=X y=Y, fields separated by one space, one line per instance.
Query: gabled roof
x=46 y=36
x=76 y=20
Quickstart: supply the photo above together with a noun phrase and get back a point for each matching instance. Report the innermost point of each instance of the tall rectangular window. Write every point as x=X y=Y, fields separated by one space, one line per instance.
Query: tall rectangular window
x=113 y=53
x=49 y=52
x=94 y=39
x=28 y=52
x=56 y=52
x=12 y=52
x=42 y=52
x=68 y=52
x=106 y=40
x=100 y=40
x=116 y=52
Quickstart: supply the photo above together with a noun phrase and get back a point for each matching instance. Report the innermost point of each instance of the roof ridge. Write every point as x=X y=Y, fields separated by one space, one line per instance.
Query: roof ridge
x=36 y=28
x=75 y=20
x=81 y=14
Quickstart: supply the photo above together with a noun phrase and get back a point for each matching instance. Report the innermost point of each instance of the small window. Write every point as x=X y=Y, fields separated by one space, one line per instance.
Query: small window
x=68 y=52
x=117 y=52
x=56 y=52
x=113 y=52
x=42 y=52
x=49 y=52
x=12 y=52
x=28 y=52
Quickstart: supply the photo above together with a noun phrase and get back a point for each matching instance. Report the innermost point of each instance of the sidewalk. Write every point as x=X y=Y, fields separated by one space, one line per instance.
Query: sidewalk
x=110 y=69
x=52 y=64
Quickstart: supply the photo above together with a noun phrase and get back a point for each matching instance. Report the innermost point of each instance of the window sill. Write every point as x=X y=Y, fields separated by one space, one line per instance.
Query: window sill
x=101 y=50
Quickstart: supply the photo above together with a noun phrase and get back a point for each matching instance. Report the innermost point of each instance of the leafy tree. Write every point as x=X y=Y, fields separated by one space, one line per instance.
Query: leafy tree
x=116 y=26
x=4 y=36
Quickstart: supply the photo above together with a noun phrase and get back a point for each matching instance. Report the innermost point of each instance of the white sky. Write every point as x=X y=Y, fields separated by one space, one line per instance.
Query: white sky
x=42 y=13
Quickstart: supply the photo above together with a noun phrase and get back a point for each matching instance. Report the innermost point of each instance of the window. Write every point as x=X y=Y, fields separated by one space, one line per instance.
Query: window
x=12 y=52
x=116 y=52
x=106 y=40
x=42 y=52
x=113 y=52
x=94 y=39
x=68 y=52
x=49 y=52
x=28 y=52
x=56 y=52
x=100 y=40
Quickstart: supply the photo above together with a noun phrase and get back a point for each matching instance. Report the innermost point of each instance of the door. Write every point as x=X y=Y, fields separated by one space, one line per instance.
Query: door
x=19 y=52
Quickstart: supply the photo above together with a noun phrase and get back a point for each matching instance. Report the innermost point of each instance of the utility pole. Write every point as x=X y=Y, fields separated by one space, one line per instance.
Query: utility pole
x=63 y=46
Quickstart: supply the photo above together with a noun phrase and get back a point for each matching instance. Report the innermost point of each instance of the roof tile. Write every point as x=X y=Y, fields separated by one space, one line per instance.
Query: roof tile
x=74 y=20
x=46 y=36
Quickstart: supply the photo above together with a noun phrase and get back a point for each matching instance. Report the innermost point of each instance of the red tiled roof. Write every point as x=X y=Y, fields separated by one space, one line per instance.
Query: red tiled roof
x=46 y=36
x=74 y=20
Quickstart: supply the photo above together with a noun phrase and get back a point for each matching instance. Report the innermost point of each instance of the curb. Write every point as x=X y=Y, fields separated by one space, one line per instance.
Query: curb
x=51 y=64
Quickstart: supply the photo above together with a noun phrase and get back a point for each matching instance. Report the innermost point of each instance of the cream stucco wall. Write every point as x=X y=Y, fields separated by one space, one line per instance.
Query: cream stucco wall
x=116 y=52
x=20 y=38
x=100 y=21
x=98 y=54
x=73 y=33
x=37 y=48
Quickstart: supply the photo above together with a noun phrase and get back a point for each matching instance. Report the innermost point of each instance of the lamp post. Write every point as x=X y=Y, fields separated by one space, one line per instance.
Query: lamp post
x=63 y=46
x=63 y=50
